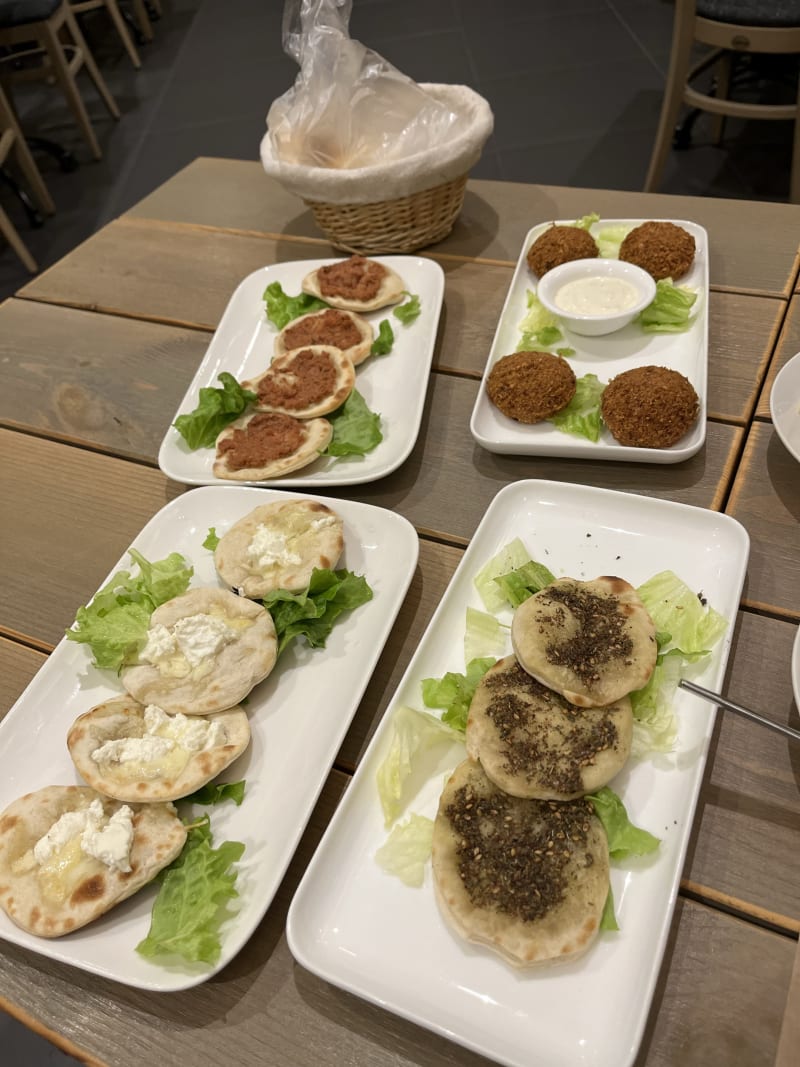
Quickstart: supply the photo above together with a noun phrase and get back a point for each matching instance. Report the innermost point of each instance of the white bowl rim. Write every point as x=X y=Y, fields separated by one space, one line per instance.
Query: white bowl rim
x=596 y=265
x=779 y=417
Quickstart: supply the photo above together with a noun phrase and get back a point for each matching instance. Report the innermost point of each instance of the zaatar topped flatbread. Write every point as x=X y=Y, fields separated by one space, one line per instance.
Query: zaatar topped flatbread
x=305 y=383
x=133 y=753
x=205 y=651
x=533 y=743
x=69 y=888
x=355 y=284
x=278 y=545
x=593 y=642
x=526 y=878
x=266 y=444
x=344 y=330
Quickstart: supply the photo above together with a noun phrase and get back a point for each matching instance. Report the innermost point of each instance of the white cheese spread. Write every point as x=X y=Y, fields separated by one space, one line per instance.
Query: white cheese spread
x=269 y=548
x=160 y=643
x=107 y=840
x=163 y=735
x=195 y=637
x=597 y=295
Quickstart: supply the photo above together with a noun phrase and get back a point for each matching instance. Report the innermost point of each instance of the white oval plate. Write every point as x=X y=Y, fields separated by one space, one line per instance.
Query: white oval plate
x=784 y=406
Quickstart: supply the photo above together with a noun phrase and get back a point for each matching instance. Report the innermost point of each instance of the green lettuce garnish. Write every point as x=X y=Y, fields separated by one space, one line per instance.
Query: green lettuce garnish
x=539 y=328
x=677 y=610
x=413 y=733
x=454 y=692
x=608 y=920
x=282 y=309
x=193 y=900
x=382 y=344
x=410 y=311
x=216 y=409
x=312 y=612
x=212 y=540
x=585 y=222
x=115 y=622
x=356 y=429
x=669 y=311
x=509 y=558
x=216 y=793
x=624 y=839
x=565 y=353
x=407 y=849
x=609 y=240
x=524 y=581
x=484 y=635
x=581 y=416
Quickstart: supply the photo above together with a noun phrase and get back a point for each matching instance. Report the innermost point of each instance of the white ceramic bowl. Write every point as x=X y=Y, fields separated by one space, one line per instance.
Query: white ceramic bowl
x=597 y=274
x=796 y=667
x=784 y=405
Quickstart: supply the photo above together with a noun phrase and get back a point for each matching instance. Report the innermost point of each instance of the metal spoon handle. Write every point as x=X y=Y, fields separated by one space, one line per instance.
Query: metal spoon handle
x=729 y=705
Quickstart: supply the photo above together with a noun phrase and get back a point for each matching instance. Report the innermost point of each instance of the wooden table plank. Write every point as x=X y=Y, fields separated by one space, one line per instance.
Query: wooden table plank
x=497 y=216
x=790 y=1030
x=18 y=665
x=766 y=499
x=788 y=346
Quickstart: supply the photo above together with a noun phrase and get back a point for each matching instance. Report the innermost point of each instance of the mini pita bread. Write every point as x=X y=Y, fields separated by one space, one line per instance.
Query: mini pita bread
x=514 y=844
x=357 y=353
x=176 y=775
x=390 y=292
x=223 y=679
x=533 y=743
x=284 y=373
x=593 y=642
x=317 y=434
x=306 y=530
x=54 y=899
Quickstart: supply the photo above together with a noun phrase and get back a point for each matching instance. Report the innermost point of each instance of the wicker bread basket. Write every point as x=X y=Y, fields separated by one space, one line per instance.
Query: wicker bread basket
x=420 y=199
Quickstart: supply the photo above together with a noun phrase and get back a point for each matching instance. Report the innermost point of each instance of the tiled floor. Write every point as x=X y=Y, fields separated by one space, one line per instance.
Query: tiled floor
x=575 y=86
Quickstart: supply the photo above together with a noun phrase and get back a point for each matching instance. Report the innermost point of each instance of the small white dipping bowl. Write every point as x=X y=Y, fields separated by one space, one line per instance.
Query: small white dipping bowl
x=596 y=279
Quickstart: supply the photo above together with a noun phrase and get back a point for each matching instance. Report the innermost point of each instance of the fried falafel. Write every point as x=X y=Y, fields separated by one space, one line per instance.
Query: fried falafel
x=663 y=249
x=531 y=386
x=560 y=244
x=649 y=407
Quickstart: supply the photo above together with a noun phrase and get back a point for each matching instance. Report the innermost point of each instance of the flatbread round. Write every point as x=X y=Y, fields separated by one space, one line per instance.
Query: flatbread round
x=168 y=776
x=287 y=444
x=278 y=545
x=72 y=888
x=304 y=383
x=222 y=679
x=342 y=329
x=526 y=878
x=593 y=642
x=349 y=284
x=533 y=743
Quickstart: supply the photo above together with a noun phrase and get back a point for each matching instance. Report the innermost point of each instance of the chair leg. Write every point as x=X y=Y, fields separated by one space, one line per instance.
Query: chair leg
x=94 y=72
x=60 y=68
x=23 y=156
x=8 y=231
x=140 y=11
x=723 y=85
x=682 y=39
x=116 y=17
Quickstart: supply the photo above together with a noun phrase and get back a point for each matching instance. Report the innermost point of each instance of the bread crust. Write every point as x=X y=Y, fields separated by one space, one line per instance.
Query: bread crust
x=317 y=436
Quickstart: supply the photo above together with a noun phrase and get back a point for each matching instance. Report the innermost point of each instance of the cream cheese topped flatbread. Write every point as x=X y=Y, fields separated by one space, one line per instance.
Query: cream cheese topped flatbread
x=205 y=651
x=342 y=329
x=270 y=444
x=304 y=383
x=66 y=887
x=533 y=743
x=355 y=284
x=527 y=878
x=593 y=642
x=278 y=545
x=133 y=753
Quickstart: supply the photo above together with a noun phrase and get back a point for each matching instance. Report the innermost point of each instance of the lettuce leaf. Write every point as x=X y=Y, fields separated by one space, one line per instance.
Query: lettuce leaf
x=509 y=558
x=215 y=410
x=114 y=624
x=454 y=692
x=313 y=611
x=282 y=309
x=484 y=635
x=669 y=311
x=624 y=839
x=585 y=222
x=539 y=328
x=581 y=416
x=410 y=311
x=608 y=920
x=523 y=582
x=407 y=849
x=383 y=343
x=212 y=540
x=609 y=240
x=356 y=429
x=192 y=902
x=216 y=793
x=413 y=732
x=676 y=610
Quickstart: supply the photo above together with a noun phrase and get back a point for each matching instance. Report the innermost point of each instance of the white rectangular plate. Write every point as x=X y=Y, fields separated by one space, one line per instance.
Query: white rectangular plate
x=393 y=385
x=362 y=929
x=298 y=717
x=604 y=356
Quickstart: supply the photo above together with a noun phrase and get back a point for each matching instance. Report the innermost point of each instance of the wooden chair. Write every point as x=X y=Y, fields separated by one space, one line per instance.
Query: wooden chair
x=729 y=26
x=12 y=144
x=80 y=6
x=42 y=23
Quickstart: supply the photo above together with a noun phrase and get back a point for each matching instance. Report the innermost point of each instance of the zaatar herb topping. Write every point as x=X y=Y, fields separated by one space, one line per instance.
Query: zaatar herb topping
x=601 y=636
x=513 y=855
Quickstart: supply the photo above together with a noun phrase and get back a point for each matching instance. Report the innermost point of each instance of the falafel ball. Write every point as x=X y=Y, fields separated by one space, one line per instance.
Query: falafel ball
x=649 y=407
x=663 y=249
x=560 y=244
x=531 y=386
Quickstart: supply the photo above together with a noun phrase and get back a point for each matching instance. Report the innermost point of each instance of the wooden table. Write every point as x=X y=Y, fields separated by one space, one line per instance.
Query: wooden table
x=96 y=353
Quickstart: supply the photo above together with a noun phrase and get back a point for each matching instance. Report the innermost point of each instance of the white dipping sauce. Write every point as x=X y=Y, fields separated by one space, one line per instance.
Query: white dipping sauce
x=598 y=295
